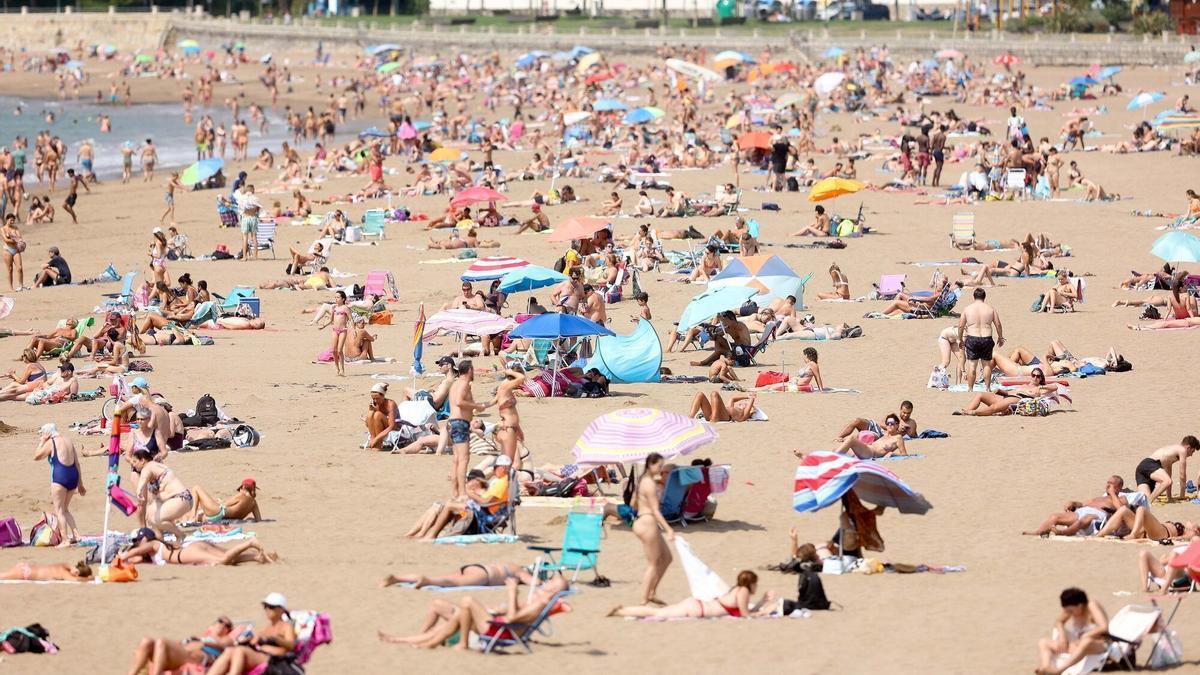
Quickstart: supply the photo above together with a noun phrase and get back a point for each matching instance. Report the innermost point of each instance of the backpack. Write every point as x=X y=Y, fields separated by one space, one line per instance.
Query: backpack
x=810 y=593
x=793 y=185
x=205 y=415
x=208 y=444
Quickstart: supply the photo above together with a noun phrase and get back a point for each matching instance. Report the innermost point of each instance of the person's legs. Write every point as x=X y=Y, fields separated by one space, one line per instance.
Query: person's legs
x=700 y=405
x=944 y=349
x=376 y=422
x=856 y=447
x=202 y=503
x=720 y=413
x=853 y=427
x=425 y=521
x=443 y=518
x=142 y=655
x=168 y=655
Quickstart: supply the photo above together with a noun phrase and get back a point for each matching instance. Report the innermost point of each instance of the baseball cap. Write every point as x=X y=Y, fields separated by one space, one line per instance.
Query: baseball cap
x=379 y=388
x=445 y=361
x=275 y=600
x=503 y=460
x=250 y=483
x=140 y=383
x=144 y=534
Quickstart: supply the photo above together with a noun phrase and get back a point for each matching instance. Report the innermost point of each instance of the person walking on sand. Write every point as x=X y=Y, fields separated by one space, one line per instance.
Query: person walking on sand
x=173 y=184
x=65 y=479
x=462 y=410
x=248 y=210
x=980 y=322
x=126 y=162
x=74 y=180
x=149 y=159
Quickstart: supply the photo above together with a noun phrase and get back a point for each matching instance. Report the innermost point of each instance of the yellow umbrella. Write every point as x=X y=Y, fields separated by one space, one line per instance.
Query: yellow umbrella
x=445 y=155
x=829 y=188
x=587 y=61
x=734 y=120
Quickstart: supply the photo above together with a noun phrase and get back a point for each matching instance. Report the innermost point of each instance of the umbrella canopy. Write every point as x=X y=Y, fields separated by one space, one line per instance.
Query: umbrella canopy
x=731 y=55
x=1191 y=57
x=1007 y=59
x=372 y=132
x=73 y=64
x=823 y=477
x=769 y=276
x=1107 y=72
x=530 y=277
x=1173 y=120
x=788 y=100
x=828 y=188
x=587 y=61
x=143 y=58
x=475 y=195
x=554 y=325
x=712 y=302
x=579 y=227
x=1083 y=81
x=642 y=115
x=528 y=58
x=949 y=54
x=827 y=82
x=383 y=49
x=692 y=70
x=754 y=139
x=467 y=322
x=108 y=50
x=631 y=434
x=575 y=117
x=388 y=67
x=493 y=267
x=184 y=44
x=1146 y=98
x=1177 y=247
x=608 y=105
x=833 y=52
x=445 y=155
x=202 y=170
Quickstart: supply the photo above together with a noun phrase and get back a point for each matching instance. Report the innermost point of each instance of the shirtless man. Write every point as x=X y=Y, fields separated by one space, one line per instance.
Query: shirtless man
x=979 y=321
x=74 y=180
x=1088 y=517
x=908 y=426
x=1154 y=472
x=86 y=155
x=462 y=409
x=889 y=444
x=569 y=294
x=736 y=333
x=463 y=299
x=937 y=148
x=593 y=305
x=819 y=226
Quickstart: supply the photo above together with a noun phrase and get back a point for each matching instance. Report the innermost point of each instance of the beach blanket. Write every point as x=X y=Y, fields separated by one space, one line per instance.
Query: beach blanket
x=587 y=504
x=464 y=539
x=449 y=589
x=897 y=458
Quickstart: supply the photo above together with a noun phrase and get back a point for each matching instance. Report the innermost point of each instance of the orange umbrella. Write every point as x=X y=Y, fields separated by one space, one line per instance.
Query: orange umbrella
x=754 y=139
x=580 y=227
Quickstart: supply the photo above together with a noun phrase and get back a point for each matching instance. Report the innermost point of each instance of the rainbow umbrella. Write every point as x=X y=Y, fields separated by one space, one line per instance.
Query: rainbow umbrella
x=631 y=434
x=201 y=171
x=829 y=188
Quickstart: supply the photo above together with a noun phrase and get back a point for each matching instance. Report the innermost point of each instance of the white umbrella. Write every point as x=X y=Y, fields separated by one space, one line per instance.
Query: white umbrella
x=828 y=82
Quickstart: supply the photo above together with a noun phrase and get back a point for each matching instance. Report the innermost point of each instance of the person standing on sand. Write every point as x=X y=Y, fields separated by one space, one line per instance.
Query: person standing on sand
x=126 y=162
x=979 y=322
x=86 y=156
x=462 y=410
x=149 y=159
x=65 y=479
x=74 y=180
x=173 y=184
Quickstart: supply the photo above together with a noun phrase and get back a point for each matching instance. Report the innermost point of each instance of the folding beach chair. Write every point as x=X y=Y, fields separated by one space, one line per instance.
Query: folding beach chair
x=941 y=306
x=612 y=292
x=506 y=634
x=671 y=502
x=503 y=518
x=120 y=302
x=580 y=549
x=1128 y=629
x=768 y=335
x=889 y=286
x=1014 y=181
x=229 y=303
x=373 y=223
x=205 y=312
x=962 y=234
x=312 y=631
x=265 y=236
x=381 y=283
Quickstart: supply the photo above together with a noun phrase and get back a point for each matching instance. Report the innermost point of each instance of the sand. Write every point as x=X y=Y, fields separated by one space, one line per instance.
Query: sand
x=336 y=513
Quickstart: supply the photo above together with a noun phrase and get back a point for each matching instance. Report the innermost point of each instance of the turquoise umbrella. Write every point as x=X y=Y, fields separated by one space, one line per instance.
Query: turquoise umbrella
x=712 y=302
x=201 y=171
x=529 y=278
x=1177 y=247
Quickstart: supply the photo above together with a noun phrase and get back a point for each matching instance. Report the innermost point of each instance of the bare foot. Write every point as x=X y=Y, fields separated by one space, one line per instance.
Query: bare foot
x=615 y=611
x=389 y=580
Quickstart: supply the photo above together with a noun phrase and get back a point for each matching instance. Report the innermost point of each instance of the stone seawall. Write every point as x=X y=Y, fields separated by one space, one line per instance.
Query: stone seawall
x=125 y=30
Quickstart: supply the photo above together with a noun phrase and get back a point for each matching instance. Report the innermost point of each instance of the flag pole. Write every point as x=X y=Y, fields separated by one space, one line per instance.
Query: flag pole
x=114 y=462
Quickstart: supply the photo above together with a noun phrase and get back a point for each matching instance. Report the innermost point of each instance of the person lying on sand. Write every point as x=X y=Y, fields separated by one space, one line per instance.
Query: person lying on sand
x=1080 y=630
x=740 y=408
x=471 y=240
x=908 y=425
x=473 y=574
x=317 y=281
x=987 y=404
x=1057 y=360
x=1087 y=518
x=242 y=504
x=24 y=571
x=890 y=444
x=159 y=655
x=735 y=603
x=147 y=548
x=444 y=619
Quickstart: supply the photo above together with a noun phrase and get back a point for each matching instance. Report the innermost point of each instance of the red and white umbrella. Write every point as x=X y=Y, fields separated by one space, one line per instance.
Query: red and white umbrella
x=493 y=267
x=477 y=194
x=823 y=477
x=466 y=322
x=1007 y=59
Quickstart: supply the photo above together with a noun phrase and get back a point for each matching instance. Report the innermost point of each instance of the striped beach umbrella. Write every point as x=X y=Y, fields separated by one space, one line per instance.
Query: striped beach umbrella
x=823 y=477
x=466 y=322
x=493 y=267
x=630 y=434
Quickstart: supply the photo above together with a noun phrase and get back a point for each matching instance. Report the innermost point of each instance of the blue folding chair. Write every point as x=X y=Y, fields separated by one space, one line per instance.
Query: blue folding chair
x=121 y=301
x=580 y=549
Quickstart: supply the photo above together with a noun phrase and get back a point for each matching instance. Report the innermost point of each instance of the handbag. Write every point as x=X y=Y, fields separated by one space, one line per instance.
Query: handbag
x=939 y=378
x=45 y=532
x=123 y=500
x=10 y=533
x=768 y=377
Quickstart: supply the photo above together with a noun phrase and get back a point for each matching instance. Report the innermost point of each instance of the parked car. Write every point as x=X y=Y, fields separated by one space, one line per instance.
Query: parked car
x=845 y=10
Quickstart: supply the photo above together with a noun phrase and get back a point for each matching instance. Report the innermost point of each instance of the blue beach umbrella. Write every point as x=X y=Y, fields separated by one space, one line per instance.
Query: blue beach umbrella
x=642 y=115
x=712 y=302
x=1083 y=81
x=383 y=49
x=1177 y=247
x=834 y=52
x=608 y=105
x=555 y=325
x=201 y=171
x=1107 y=72
x=1144 y=99
x=529 y=278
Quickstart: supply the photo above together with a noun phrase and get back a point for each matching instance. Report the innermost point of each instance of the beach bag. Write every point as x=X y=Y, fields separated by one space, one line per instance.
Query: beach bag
x=10 y=533
x=122 y=500
x=245 y=436
x=612 y=295
x=1167 y=649
x=32 y=639
x=383 y=318
x=209 y=443
x=770 y=206
x=1037 y=304
x=1032 y=407
x=119 y=572
x=771 y=377
x=45 y=532
x=810 y=594
x=1150 y=313
x=205 y=413
x=939 y=378
x=742 y=357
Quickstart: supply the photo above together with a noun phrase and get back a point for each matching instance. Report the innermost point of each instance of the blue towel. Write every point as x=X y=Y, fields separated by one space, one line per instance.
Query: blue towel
x=1089 y=369
x=464 y=539
x=898 y=458
x=450 y=589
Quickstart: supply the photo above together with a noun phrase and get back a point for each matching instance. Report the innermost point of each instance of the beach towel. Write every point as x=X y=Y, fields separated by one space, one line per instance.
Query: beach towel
x=449 y=589
x=897 y=458
x=464 y=539
x=704 y=583
x=927 y=433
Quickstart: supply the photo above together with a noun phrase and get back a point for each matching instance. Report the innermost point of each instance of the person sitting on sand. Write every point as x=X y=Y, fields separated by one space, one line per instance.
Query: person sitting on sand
x=819 y=226
x=146 y=547
x=24 y=571
x=708 y=267
x=472 y=574
x=907 y=424
x=445 y=619
x=160 y=655
x=611 y=206
x=59 y=384
x=254 y=651
x=1081 y=629
x=1062 y=296
x=317 y=281
x=1086 y=518
x=735 y=603
x=538 y=222
x=1002 y=403
x=741 y=407
x=359 y=345
x=890 y=444
x=242 y=504
x=906 y=303
x=481 y=495
x=62 y=337
x=841 y=285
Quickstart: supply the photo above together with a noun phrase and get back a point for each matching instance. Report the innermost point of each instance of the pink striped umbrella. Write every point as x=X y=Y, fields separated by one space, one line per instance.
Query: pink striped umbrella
x=467 y=322
x=493 y=267
x=630 y=434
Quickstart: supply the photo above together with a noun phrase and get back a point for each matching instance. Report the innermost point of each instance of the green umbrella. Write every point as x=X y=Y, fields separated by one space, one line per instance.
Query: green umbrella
x=144 y=58
x=389 y=67
x=200 y=171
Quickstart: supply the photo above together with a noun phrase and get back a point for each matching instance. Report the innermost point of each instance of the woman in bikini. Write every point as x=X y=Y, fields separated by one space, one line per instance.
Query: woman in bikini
x=13 y=247
x=810 y=374
x=243 y=504
x=735 y=602
x=32 y=372
x=256 y=650
x=649 y=525
x=713 y=407
x=509 y=430
x=1063 y=295
x=165 y=654
x=987 y=404
x=841 y=285
x=340 y=328
x=148 y=548
x=158 y=257
x=474 y=574
x=24 y=571
x=890 y=444
x=65 y=479
x=173 y=500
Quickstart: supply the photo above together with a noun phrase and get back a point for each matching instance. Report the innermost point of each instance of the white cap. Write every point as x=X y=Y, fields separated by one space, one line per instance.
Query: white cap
x=275 y=600
x=503 y=460
x=379 y=388
x=157 y=230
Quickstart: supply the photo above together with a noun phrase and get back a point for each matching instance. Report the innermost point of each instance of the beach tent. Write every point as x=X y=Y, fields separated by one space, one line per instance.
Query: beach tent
x=770 y=276
x=636 y=357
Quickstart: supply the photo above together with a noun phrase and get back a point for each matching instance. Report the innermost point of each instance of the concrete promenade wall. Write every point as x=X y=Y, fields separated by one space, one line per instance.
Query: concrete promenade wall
x=125 y=30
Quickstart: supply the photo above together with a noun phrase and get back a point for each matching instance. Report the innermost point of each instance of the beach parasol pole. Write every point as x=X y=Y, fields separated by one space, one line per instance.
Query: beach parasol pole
x=114 y=461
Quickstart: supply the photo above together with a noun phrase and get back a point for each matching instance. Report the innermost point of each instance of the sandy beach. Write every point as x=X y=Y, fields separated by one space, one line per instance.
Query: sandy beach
x=336 y=513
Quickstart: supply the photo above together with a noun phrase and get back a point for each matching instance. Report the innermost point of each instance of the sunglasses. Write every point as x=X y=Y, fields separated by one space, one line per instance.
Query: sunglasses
x=225 y=622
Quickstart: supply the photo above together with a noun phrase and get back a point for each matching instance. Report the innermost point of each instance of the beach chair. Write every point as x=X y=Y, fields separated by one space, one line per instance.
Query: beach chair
x=312 y=631
x=503 y=518
x=81 y=326
x=1014 y=181
x=265 y=236
x=373 y=223
x=941 y=306
x=205 y=312
x=229 y=303
x=768 y=335
x=120 y=302
x=889 y=286
x=671 y=502
x=612 y=292
x=227 y=213
x=506 y=634
x=580 y=548
x=1128 y=629
x=962 y=234
x=381 y=283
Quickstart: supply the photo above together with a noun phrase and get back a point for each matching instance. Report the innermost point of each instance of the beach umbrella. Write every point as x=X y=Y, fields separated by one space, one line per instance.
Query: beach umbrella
x=629 y=435
x=642 y=115
x=930 y=64
x=587 y=61
x=731 y=55
x=952 y=54
x=1144 y=99
x=1107 y=72
x=183 y=44
x=1083 y=81
x=608 y=105
x=143 y=58
x=828 y=188
x=475 y=195
x=493 y=267
x=754 y=139
x=833 y=52
x=827 y=82
x=530 y=277
x=599 y=77
x=689 y=69
x=418 y=344
x=734 y=120
x=579 y=51
x=552 y=325
x=579 y=227
x=1007 y=59
x=73 y=64
x=768 y=275
x=528 y=58
x=1177 y=247
x=466 y=322
x=388 y=67
x=383 y=49
x=421 y=125
x=188 y=51
x=108 y=50
x=823 y=477
x=1191 y=57
x=201 y=171
x=712 y=302
x=416 y=413
x=788 y=100
x=1174 y=121
x=575 y=117
x=445 y=155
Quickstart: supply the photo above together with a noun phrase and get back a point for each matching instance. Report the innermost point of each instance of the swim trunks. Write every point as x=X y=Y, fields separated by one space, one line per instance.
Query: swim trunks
x=978 y=348
x=460 y=431
x=1146 y=467
x=71 y=199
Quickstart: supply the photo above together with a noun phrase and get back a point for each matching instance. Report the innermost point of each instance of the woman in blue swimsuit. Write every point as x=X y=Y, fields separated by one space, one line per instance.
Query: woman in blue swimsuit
x=65 y=479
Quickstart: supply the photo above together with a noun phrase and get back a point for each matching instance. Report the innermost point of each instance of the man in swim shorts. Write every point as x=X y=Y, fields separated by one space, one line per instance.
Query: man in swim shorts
x=462 y=409
x=1153 y=474
x=976 y=327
